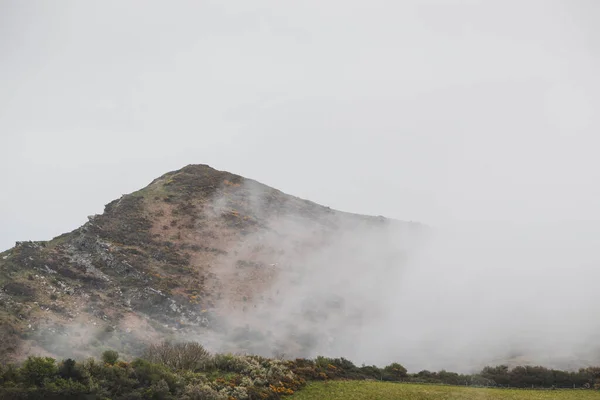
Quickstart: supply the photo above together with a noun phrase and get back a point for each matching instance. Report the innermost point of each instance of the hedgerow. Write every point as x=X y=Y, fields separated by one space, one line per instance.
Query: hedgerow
x=187 y=371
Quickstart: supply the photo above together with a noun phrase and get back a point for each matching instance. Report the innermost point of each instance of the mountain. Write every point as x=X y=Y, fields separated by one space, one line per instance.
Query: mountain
x=206 y=255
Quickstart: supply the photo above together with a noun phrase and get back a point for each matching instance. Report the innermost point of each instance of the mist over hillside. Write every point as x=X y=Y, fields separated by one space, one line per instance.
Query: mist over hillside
x=411 y=182
x=493 y=293
x=209 y=256
x=467 y=296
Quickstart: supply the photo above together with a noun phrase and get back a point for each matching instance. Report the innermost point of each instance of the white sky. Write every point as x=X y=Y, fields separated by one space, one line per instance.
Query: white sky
x=436 y=111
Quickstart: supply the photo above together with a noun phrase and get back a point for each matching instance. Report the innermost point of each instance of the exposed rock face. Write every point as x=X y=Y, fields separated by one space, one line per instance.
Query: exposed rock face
x=200 y=254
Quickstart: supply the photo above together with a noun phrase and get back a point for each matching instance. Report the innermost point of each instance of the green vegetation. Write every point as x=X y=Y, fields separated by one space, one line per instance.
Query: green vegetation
x=188 y=371
x=110 y=357
x=323 y=368
x=182 y=356
x=180 y=371
x=362 y=390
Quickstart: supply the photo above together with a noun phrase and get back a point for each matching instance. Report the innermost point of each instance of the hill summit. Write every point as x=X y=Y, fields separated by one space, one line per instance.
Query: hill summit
x=206 y=255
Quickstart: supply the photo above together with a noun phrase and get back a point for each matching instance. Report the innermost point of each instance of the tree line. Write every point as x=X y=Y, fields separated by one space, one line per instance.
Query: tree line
x=188 y=371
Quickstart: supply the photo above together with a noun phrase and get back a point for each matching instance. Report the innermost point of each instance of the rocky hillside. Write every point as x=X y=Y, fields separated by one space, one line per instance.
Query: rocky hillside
x=200 y=254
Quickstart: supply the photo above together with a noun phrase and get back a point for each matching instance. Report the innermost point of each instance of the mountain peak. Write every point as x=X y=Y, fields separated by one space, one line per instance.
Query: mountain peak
x=196 y=253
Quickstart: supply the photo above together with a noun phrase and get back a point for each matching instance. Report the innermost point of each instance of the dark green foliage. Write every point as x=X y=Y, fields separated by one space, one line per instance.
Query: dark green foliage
x=68 y=369
x=498 y=374
x=323 y=368
x=37 y=369
x=110 y=357
x=67 y=388
x=148 y=373
x=9 y=375
x=395 y=371
x=188 y=371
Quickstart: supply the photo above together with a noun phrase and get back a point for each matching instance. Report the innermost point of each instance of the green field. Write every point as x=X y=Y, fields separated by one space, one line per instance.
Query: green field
x=362 y=390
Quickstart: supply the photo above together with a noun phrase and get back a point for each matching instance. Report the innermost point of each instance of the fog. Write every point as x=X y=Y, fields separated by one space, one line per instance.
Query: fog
x=475 y=118
x=501 y=294
x=457 y=297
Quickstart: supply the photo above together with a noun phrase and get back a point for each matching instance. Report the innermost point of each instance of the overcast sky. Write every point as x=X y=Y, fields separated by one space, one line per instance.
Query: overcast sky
x=436 y=111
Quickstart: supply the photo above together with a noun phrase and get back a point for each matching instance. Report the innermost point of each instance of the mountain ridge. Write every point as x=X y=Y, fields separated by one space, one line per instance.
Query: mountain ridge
x=196 y=253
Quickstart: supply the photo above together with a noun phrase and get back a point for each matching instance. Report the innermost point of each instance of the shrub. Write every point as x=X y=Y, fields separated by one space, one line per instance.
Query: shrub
x=395 y=370
x=36 y=369
x=110 y=357
x=202 y=392
x=187 y=356
x=230 y=362
x=158 y=391
x=66 y=388
x=371 y=371
x=498 y=374
x=68 y=369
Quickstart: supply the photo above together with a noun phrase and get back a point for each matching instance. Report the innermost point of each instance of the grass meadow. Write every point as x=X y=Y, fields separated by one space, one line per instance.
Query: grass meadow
x=369 y=390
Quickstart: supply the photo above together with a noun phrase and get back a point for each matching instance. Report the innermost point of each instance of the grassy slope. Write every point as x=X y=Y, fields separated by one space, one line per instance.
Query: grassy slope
x=361 y=390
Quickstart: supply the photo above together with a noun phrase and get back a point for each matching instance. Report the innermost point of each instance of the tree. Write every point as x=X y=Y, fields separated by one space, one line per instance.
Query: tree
x=189 y=355
x=110 y=357
x=498 y=374
x=395 y=370
x=68 y=369
x=36 y=369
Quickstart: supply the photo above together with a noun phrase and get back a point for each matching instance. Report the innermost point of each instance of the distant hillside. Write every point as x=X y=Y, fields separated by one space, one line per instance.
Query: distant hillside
x=206 y=255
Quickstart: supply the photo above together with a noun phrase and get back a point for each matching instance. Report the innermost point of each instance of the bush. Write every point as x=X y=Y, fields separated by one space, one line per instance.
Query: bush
x=66 y=388
x=395 y=371
x=36 y=369
x=110 y=357
x=159 y=391
x=230 y=363
x=202 y=392
x=244 y=377
x=186 y=356
x=68 y=369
